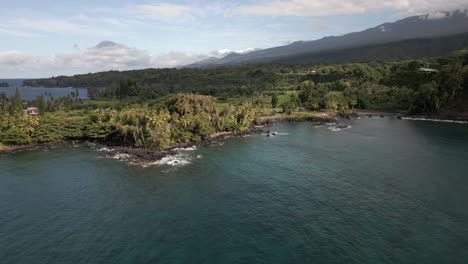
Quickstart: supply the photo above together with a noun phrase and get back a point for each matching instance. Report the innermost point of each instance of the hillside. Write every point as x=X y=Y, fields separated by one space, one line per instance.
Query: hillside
x=411 y=28
x=407 y=49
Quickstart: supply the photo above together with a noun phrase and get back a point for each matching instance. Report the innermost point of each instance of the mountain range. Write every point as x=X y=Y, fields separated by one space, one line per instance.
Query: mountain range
x=416 y=36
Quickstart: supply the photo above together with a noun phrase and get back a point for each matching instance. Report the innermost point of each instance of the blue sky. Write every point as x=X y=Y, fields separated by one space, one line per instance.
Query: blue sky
x=44 y=38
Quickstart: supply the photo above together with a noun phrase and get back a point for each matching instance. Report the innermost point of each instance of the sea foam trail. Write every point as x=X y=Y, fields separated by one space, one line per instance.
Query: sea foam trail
x=434 y=120
x=338 y=128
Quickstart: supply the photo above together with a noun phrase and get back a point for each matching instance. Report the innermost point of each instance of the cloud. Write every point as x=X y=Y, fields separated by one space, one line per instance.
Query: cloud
x=175 y=58
x=54 y=26
x=318 y=25
x=223 y=52
x=82 y=22
x=106 y=55
x=339 y=7
x=14 y=58
x=437 y=15
x=441 y=15
x=163 y=9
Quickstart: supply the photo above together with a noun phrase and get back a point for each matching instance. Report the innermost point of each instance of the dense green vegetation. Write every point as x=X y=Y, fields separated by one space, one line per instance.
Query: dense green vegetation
x=382 y=85
x=161 y=107
x=176 y=119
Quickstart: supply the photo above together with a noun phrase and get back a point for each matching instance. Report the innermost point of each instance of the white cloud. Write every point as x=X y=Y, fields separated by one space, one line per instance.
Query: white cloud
x=55 y=26
x=105 y=56
x=437 y=15
x=163 y=9
x=339 y=7
x=31 y=23
x=441 y=15
x=175 y=58
x=14 y=58
x=223 y=52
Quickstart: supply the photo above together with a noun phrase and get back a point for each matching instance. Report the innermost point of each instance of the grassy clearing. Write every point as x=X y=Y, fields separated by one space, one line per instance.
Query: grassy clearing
x=298 y=114
x=266 y=99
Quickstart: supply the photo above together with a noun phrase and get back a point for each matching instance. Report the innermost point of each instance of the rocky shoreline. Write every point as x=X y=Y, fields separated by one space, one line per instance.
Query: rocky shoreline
x=10 y=149
x=134 y=155
x=147 y=156
x=449 y=118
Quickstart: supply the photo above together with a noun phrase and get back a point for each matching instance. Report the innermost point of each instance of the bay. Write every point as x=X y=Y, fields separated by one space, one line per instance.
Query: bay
x=382 y=191
x=30 y=93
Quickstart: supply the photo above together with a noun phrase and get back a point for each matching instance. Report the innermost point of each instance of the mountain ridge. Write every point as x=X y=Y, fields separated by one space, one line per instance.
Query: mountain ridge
x=414 y=27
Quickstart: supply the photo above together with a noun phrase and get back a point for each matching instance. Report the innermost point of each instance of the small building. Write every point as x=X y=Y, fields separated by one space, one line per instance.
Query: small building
x=427 y=70
x=32 y=111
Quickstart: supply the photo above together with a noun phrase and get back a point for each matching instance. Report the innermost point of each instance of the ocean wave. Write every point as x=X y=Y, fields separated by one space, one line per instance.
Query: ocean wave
x=105 y=149
x=277 y=134
x=121 y=156
x=192 y=148
x=174 y=160
x=334 y=129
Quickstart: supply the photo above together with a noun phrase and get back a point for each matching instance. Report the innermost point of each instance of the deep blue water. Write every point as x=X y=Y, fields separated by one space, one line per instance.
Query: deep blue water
x=30 y=93
x=383 y=191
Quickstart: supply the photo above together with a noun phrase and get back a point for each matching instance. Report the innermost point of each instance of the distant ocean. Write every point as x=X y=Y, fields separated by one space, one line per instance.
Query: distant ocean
x=13 y=82
x=30 y=93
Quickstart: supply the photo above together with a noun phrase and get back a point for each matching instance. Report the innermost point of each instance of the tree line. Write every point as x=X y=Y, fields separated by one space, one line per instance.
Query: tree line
x=381 y=85
x=179 y=118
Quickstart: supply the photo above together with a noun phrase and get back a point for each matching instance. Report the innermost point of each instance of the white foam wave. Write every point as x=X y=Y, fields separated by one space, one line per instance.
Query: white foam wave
x=121 y=156
x=338 y=128
x=186 y=149
x=105 y=149
x=174 y=160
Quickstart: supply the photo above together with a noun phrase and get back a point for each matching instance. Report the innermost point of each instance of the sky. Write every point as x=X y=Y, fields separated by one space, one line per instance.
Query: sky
x=44 y=38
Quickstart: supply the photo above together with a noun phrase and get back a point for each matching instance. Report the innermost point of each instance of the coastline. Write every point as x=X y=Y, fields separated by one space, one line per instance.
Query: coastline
x=134 y=155
x=457 y=117
x=10 y=149
x=145 y=156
